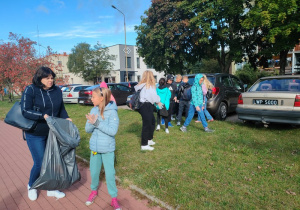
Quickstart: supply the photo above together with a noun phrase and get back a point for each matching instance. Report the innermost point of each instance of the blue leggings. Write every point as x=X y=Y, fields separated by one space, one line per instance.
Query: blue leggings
x=192 y=111
x=36 y=145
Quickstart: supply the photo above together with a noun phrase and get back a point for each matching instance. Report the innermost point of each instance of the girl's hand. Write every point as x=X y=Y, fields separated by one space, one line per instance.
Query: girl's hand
x=46 y=116
x=91 y=118
x=198 y=108
x=69 y=119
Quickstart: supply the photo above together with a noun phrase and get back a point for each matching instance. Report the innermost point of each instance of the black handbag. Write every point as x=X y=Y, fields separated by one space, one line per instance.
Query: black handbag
x=15 y=118
x=163 y=111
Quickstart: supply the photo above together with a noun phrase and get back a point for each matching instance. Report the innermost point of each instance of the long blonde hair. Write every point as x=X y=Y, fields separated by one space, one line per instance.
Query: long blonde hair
x=207 y=83
x=105 y=93
x=148 y=78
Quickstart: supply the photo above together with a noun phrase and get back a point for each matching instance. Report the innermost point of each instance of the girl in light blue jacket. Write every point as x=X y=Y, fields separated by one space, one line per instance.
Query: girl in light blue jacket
x=103 y=123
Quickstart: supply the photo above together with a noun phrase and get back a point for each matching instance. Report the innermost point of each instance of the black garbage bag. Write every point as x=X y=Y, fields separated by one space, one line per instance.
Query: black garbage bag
x=59 y=168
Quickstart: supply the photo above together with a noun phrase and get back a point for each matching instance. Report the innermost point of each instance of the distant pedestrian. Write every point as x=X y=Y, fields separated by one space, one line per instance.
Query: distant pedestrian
x=184 y=97
x=40 y=100
x=206 y=85
x=177 y=82
x=173 y=88
x=148 y=97
x=103 y=123
x=197 y=104
x=165 y=95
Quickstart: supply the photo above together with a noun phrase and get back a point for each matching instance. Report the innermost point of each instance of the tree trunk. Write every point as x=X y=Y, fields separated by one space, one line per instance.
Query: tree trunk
x=283 y=57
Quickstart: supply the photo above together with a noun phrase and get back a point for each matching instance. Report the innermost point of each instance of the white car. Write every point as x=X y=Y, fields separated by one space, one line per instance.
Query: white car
x=71 y=93
x=272 y=100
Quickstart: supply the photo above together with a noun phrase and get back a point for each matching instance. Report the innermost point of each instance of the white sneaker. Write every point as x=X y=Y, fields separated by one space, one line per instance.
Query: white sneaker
x=55 y=193
x=32 y=194
x=151 y=142
x=147 y=147
x=158 y=127
x=167 y=131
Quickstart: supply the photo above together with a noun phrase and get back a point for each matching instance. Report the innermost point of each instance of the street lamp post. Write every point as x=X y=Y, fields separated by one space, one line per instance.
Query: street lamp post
x=125 y=42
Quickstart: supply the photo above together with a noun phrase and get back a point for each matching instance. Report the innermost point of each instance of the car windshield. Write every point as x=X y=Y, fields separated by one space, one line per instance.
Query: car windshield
x=276 y=84
x=210 y=78
x=67 y=89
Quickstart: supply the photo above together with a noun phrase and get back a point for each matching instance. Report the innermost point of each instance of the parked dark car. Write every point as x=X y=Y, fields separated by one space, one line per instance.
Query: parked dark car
x=225 y=93
x=119 y=91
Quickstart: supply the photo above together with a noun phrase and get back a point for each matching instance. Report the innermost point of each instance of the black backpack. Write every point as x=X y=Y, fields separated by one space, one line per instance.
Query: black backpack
x=187 y=94
x=135 y=103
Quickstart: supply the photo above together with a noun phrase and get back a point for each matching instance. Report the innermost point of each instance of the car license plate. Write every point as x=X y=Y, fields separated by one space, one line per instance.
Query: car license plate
x=81 y=102
x=265 y=102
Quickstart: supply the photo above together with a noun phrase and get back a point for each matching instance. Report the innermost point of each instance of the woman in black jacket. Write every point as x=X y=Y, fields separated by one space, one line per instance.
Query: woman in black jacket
x=40 y=100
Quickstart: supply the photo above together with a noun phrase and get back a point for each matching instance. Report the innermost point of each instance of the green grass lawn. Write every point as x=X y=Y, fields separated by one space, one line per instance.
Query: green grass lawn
x=239 y=166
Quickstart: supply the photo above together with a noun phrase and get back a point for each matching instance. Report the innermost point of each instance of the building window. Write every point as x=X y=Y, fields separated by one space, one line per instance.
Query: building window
x=128 y=62
x=138 y=78
x=59 y=63
x=138 y=63
x=149 y=67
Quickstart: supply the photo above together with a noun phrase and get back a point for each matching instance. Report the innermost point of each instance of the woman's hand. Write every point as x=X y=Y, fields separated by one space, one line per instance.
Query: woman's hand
x=198 y=108
x=46 y=116
x=159 y=104
x=69 y=119
x=91 y=118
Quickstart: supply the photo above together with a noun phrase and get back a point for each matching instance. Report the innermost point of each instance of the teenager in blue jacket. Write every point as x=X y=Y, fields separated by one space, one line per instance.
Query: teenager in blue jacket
x=197 y=104
x=40 y=100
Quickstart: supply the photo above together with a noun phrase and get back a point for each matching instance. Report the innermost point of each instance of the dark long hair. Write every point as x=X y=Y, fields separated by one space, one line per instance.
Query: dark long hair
x=42 y=72
x=162 y=81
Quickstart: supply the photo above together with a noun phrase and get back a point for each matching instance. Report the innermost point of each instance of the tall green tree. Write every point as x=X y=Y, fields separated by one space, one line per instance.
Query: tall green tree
x=90 y=63
x=166 y=39
x=177 y=32
x=278 y=24
x=220 y=23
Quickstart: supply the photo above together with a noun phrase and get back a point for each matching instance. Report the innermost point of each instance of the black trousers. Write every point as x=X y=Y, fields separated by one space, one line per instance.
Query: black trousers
x=170 y=111
x=165 y=118
x=148 y=119
x=183 y=105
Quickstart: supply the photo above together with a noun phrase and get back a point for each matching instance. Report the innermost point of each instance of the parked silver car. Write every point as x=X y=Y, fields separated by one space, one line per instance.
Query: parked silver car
x=272 y=100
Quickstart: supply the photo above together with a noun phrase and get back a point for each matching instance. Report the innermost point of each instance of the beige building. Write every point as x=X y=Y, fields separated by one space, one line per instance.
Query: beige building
x=135 y=66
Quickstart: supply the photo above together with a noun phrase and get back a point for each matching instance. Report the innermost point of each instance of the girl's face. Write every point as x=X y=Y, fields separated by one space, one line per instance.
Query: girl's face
x=201 y=80
x=96 y=99
x=47 y=82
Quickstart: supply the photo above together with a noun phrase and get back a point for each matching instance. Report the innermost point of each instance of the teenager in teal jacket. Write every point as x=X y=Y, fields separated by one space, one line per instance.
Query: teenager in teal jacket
x=165 y=95
x=197 y=104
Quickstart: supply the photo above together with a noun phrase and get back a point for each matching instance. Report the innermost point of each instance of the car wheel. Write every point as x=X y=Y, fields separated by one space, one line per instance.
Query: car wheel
x=222 y=111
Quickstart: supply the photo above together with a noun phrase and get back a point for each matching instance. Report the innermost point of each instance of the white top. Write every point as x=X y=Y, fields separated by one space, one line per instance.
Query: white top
x=147 y=95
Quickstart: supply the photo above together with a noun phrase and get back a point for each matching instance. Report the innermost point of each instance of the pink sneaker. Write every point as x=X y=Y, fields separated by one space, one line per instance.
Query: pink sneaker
x=91 y=198
x=115 y=204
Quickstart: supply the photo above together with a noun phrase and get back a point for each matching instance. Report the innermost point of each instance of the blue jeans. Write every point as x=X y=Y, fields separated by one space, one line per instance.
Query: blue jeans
x=36 y=145
x=206 y=113
x=192 y=111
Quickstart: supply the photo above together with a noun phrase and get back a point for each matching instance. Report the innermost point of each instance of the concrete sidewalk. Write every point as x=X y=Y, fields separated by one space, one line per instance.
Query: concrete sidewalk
x=15 y=166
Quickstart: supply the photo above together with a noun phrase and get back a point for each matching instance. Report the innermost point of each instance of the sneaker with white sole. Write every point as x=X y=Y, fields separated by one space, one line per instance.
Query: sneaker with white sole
x=157 y=127
x=91 y=197
x=115 y=204
x=167 y=131
x=151 y=142
x=209 y=130
x=55 y=193
x=178 y=124
x=147 y=147
x=32 y=194
x=183 y=129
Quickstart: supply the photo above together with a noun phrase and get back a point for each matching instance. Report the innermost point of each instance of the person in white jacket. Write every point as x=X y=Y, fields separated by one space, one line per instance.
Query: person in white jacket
x=148 y=97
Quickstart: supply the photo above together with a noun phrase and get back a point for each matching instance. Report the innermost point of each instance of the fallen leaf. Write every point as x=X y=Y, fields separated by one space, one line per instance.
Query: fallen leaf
x=259 y=167
x=290 y=192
